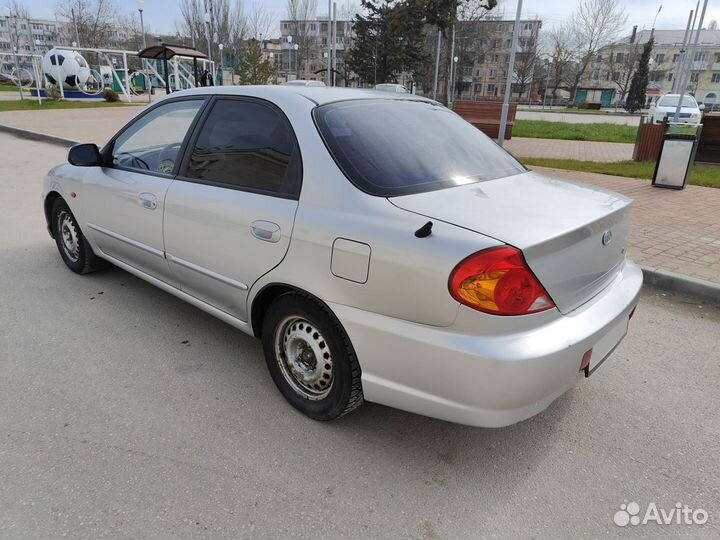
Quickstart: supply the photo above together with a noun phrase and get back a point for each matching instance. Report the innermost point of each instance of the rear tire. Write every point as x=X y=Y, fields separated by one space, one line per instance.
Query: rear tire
x=74 y=250
x=310 y=357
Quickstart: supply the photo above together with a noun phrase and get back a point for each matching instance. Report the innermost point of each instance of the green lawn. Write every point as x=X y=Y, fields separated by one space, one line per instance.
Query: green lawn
x=542 y=129
x=47 y=104
x=702 y=175
x=8 y=88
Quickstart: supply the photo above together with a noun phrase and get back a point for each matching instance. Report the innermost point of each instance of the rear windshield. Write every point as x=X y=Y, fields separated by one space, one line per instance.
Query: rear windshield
x=396 y=147
x=672 y=101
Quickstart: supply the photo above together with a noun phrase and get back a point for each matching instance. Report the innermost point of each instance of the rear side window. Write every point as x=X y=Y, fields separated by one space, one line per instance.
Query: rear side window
x=397 y=147
x=246 y=145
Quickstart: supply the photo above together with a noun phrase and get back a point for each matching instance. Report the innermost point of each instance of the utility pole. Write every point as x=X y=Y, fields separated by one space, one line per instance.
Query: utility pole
x=77 y=35
x=334 y=46
x=508 y=84
x=681 y=59
x=452 y=66
x=437 y=65
x=328 y=81
x=691 y=59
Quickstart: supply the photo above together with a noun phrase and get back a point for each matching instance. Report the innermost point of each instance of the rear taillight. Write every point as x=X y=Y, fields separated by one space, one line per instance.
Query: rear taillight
x=498 y=281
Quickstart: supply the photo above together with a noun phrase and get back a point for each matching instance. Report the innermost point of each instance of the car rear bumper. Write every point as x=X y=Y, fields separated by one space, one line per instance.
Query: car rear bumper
x=490 y=380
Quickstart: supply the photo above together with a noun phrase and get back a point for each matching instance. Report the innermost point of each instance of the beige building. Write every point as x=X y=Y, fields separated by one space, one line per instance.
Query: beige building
x=614 y=65
x=483 y=50
x=305 y=47
x=33 y=36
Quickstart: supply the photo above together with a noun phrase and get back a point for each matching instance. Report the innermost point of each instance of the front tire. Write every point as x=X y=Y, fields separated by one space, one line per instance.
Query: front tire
x=74 y=249
x=310 y=357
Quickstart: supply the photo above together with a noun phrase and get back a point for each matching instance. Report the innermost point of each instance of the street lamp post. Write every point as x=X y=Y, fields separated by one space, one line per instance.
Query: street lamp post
x=289 y=58
x=141 y=8
x=8 y=14
x=222 y=66
x=295 y=48
x=207 y=34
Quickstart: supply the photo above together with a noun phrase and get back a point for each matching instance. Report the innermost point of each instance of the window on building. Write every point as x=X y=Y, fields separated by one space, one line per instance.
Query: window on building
x=619 y=57
x=499 y=27
x=478 y=88
x=491 y=90
x=695 y=76
x=676 y=57
x=715 y=78
x=496 y=44
x=493 y=73
x=701 y=57
x=313 y=27
x=494 y=59
x=527 y=26
x=599 y=58
x=660 y=58
x=670 y=77
x=595 y=75
x=509 y=43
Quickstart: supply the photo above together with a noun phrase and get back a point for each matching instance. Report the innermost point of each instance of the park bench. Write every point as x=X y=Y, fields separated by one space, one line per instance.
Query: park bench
x=485 y=115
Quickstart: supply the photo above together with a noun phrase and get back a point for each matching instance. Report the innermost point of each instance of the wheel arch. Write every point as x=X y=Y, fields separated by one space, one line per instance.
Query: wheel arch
x=267 y=295
x=50 y=199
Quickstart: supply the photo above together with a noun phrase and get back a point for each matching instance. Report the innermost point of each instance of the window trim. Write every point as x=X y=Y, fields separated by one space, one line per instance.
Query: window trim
x=295 y=164
x=106 y=151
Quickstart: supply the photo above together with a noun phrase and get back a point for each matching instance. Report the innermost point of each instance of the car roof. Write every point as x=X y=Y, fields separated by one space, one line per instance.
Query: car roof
x=317 y=94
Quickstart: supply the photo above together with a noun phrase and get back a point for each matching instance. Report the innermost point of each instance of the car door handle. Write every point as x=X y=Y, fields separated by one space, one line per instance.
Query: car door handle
x=147 y=200
x=265 y=230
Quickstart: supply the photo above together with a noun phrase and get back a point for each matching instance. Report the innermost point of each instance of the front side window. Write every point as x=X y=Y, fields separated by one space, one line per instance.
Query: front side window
x=246 y=145
x=153 y=142
x=396 y=147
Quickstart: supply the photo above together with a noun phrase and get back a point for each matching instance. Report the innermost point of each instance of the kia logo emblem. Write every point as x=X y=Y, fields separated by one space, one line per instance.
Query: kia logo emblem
x=606 y=238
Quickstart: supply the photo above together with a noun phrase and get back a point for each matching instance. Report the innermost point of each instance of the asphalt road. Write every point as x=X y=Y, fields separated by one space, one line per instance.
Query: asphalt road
x=111 y=426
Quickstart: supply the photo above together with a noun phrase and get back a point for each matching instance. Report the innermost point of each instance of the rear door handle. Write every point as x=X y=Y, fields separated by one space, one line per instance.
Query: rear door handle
x=147 y=200
x=265 y=230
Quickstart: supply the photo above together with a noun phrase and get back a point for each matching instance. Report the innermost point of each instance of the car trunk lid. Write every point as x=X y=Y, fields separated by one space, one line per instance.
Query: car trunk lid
x=573 y=236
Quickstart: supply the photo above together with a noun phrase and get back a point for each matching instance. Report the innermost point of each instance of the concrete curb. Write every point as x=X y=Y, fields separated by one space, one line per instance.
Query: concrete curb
x=659 y=279
x=35 y=136
x=668 y=281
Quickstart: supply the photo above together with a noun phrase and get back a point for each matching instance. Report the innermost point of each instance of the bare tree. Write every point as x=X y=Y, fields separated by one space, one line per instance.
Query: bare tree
x=527 y=61
x=90 y=22
x=260 y=22
x=593 y=25
x=620 y=69
x=560 y=52
x=299 y=13
x=19 y=12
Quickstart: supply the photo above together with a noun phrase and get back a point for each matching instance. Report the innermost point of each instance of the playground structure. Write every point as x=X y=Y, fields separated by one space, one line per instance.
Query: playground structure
x=124 y=71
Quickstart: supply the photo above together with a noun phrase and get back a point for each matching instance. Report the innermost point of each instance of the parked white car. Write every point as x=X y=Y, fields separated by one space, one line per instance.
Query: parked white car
x=690 y=112
x=394 y=88
x=432 y=272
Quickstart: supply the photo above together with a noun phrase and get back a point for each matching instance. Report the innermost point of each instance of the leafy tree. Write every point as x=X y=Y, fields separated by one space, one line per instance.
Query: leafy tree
x=253 y=68
x=636 y=95
x=389 y=39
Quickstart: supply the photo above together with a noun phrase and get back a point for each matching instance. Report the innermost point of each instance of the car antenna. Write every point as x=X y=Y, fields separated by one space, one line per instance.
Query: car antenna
x=425 y=230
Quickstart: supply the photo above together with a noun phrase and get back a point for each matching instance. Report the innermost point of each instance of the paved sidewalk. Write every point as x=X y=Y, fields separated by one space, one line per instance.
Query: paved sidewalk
x=674 y=231
x=559 y=149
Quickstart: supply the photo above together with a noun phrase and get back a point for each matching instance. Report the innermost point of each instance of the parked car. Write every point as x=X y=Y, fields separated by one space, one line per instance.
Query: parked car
x=394 y=88
x=432 y=273
x=690 y=111
x=303 y=82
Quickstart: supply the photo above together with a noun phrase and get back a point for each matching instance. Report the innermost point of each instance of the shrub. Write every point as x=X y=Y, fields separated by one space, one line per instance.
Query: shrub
x=53 y=92
x=110 y=95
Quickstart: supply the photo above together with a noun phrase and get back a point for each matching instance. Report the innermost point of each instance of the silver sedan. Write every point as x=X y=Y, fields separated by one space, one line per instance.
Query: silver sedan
x=381 y=247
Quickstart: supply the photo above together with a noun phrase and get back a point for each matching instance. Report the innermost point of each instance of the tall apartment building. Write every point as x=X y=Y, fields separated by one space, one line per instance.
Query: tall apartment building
x=311 y=39
x=609 y=73
x=483 y=49
x=33 y=36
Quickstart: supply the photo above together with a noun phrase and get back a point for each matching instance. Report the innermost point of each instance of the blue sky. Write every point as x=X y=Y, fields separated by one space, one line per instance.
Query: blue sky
x=161 y=14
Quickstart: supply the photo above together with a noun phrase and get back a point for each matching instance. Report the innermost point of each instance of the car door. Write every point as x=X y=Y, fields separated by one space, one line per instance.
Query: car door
x=123 y=202
x=229 y=214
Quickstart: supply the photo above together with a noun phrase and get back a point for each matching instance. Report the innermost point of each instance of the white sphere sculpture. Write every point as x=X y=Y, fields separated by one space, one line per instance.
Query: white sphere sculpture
x=67 y=66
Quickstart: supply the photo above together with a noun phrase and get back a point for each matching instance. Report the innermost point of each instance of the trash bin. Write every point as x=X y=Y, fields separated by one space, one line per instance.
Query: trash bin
x=677 y=155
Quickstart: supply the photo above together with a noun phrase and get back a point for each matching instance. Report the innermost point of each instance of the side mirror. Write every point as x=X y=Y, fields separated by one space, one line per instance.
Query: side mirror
x=85 y=155
x=701 y=106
